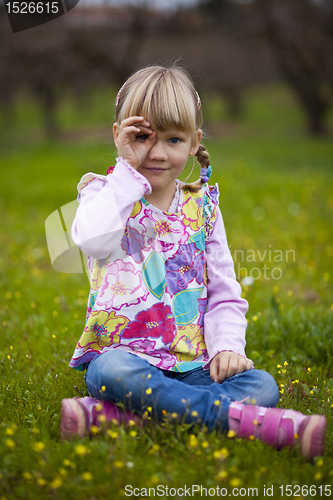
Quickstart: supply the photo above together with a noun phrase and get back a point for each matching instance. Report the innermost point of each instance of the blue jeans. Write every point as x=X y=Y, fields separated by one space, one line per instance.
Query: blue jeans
x=119 y=376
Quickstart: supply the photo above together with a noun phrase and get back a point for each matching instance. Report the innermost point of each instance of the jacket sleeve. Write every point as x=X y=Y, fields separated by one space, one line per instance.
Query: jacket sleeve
x=224 y=322
x=105 y=204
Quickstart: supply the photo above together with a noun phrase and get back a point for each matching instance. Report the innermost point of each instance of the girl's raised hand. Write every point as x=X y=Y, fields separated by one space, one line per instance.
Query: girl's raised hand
x=134 y=139
x=226 y=364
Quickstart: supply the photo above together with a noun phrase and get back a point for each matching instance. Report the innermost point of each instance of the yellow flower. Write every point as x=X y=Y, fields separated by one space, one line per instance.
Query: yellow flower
x=174 y=415
x=10 y=443
x=38 y=446
x=56 y=483
x=231 y=434
x=131 y=422
x=80 y=449
x=205 y=444
x=103 y=388
x=235 y=482
x=164 y=412
x=149 y=390
x=255 y=318
x=194 y=413
x=309 y=369
x=278 y=366
x=320 y=462
x=68 y=463
x=94 y=429
x=193 y=441
x=318 y=476
x=9 y=431
x=118 y=463
x=27 y=475
x=41 y=481
x=112 y=434
x=217 y=402
x=87 y=476
x=133 y=433
x=221 y=475
x=285 y=363
x=101 y=418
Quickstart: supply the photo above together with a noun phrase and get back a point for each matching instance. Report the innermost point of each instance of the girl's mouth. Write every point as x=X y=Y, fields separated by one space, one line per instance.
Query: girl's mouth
x=157 y=170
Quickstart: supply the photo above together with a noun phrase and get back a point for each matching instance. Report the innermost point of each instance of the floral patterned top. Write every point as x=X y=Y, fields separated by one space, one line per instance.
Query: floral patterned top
x=148 y=293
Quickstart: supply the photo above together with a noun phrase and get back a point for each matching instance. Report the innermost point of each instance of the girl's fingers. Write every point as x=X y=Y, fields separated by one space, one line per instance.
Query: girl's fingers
x=249 y=364
x=145 y=130
x=131 y=130
x=134 y=121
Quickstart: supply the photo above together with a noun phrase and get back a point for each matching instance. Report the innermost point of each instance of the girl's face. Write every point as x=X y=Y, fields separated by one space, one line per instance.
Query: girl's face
x=167 y=158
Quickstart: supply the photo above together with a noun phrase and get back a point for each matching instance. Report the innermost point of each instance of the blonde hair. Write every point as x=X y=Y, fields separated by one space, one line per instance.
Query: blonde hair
x=167 y=97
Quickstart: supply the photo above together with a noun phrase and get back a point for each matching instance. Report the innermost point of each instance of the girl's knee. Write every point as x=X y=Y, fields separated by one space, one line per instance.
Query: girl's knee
x=109 y=368
x=269 y=394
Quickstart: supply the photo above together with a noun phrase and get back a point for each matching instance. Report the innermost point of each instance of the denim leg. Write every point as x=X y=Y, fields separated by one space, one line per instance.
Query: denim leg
x=252 y=386
x=118 y=376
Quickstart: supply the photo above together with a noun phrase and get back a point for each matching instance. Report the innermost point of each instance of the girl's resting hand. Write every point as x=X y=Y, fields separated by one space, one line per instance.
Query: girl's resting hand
x=226 y=364
x=134 y=139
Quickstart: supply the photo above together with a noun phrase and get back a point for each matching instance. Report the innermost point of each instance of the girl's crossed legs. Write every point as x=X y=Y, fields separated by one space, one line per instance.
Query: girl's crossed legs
x=119 y=376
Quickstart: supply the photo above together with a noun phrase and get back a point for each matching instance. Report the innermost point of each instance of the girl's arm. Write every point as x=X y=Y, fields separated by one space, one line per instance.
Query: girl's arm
x=106 y=202
x=225 y=321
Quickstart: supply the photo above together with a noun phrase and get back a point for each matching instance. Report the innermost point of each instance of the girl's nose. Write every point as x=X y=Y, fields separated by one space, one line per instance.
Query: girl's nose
x=158 y=152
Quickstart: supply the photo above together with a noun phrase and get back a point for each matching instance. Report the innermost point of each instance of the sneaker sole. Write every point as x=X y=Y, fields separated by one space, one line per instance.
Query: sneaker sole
x=313 y=436
x=73 y=420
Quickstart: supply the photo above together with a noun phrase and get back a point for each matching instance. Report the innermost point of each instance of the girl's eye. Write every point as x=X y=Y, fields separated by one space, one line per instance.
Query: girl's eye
x=141 y=138
x=174 y=140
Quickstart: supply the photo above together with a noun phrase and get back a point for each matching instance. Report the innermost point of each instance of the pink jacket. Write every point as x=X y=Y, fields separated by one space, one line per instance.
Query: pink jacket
x=98 y=236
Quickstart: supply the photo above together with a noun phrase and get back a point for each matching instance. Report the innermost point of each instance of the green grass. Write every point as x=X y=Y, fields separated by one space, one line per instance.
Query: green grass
x=276 y=197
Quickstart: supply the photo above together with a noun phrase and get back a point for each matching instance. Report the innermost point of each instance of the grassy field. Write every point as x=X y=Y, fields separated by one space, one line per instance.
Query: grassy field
x=276 y=196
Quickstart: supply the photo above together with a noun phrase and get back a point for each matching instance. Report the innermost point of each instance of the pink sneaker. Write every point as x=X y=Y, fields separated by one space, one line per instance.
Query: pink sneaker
x=79 y=414
x=279 y=427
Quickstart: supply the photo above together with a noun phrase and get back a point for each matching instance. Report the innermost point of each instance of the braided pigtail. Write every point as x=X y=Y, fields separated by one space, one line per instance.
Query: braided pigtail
x=203 y=158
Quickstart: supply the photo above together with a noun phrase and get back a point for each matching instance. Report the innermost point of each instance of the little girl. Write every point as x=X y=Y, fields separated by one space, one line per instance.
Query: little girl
x=165 y=329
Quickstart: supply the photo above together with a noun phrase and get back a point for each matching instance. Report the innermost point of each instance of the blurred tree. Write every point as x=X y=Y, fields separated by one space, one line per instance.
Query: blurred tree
x=71 y=54
x=300 y=34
